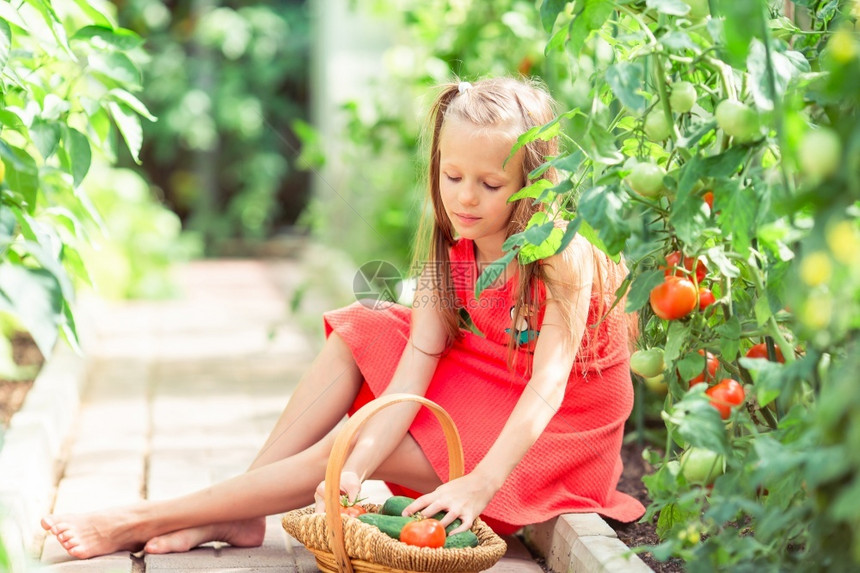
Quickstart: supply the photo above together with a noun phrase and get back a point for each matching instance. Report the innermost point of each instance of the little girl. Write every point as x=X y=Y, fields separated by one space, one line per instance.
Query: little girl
x=538 y=384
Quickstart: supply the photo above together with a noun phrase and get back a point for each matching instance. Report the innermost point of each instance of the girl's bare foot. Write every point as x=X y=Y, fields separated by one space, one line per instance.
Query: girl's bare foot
x=92 y=534
x=246 y=533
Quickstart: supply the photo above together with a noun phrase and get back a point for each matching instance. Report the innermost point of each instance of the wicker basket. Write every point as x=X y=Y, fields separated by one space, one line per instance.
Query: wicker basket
x=344 y=544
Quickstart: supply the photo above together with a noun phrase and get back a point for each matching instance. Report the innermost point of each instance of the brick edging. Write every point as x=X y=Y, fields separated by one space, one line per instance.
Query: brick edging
x=581 y=542
x=33 y=444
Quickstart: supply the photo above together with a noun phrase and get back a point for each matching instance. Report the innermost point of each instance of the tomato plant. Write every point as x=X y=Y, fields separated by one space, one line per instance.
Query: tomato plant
x=712 y=363
x=424 y=533
x=674 y=298
x=725 y=395
x=770 y=140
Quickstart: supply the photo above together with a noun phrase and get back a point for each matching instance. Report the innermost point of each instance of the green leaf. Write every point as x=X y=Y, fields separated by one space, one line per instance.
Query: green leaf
x=569 y=233
x=549 y=10
x=724 y=264
x=691 y=365
x=678 y=41
x=5 y=43
x=725 y=164
x=599 y=144
x=493 y=271
x=105 y=37
x=117 y=67
x=93 y=10
x=627 y=80
x=670 y=7
x=22 y=174
x=538 y=228
x=54 y=23
x=640 y=290
x=124 y=97
x=13 y=121
x=532 y=191
x=769 y=381
x=592 y=237
x=760 y=75
x=676 y=336
x=46 y=137
x=739 y=207
x=730 y=334
x=80 y=155
x=604 y=209
x=129 y=126
x=543 y=132
x=742 y=21
x=544 y=240
x=590 y=15
x=35 y=298
x=699 y=423
x=762 y=310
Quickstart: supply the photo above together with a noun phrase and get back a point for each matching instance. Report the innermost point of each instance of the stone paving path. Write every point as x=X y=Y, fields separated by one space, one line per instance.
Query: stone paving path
x=180 y=394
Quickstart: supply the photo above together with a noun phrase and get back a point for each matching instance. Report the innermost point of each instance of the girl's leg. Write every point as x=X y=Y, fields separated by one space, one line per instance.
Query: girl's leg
x=320 y=401
x=270 y=489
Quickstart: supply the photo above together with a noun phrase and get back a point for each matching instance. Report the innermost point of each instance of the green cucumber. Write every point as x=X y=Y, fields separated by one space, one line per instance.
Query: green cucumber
x=395 y=505
x=462 y=539
x=390 y=525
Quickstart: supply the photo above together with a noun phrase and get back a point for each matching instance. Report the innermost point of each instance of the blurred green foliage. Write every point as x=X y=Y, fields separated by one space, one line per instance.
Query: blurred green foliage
x=227 y=80
x=379 y=200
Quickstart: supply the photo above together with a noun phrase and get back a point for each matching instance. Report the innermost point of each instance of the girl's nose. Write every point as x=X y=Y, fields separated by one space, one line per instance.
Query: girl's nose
x=468 y=195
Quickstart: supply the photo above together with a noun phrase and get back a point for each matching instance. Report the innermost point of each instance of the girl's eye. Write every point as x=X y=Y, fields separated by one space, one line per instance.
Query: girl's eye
x=452 y=178
x=492 y=187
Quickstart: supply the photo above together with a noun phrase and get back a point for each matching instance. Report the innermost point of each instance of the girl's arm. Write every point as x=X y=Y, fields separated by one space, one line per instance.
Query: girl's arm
x=427 y=340
x=554 y=355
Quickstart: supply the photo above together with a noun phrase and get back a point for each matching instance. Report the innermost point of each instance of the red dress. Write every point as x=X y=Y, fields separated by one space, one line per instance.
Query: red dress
x=575 y=464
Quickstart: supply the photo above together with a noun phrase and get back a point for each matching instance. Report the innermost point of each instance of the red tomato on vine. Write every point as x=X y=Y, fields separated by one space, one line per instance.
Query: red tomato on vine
x=706 y=298
x=674 y=262
x=760 y=351
x=725 y=395
x=675 y=298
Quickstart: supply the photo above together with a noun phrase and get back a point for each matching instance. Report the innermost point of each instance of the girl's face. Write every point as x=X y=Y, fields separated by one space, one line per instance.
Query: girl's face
x=473 y=185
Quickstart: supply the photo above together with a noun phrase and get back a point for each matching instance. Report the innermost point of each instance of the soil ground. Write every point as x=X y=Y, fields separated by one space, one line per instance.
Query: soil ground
x=12 y=392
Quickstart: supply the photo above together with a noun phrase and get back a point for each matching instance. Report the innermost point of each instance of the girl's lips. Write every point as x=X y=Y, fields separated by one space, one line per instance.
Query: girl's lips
x=466 y=219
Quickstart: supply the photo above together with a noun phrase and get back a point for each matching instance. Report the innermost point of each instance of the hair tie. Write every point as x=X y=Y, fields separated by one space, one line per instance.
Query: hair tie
x=463 y=87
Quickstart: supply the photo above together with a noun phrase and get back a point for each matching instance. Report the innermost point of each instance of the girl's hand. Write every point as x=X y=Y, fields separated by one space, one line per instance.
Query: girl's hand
x=464 y=498
x=350 y=484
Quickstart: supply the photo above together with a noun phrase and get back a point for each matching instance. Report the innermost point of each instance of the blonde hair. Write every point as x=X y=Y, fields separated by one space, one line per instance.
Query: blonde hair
x=517 y=105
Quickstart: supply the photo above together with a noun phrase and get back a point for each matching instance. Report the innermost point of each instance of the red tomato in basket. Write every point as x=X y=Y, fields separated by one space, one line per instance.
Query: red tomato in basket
x=423 y=533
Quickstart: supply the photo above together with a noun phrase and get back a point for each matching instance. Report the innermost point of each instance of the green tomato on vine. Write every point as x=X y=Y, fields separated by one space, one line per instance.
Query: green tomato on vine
x=737 y=120
x=657 y=126
x=646 y=179
x=683 y=97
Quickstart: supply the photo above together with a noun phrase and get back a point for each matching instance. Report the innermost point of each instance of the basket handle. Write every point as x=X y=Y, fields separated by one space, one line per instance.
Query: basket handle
x=341 y=448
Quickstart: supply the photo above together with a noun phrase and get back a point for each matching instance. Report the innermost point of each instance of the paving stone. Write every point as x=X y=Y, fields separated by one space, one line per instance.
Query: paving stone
x=585 y=524
x=604 y=555
x=56 y=560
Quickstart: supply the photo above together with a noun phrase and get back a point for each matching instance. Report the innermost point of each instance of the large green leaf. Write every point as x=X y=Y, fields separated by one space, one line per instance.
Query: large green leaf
x=129 y=126
x=493 y=271
x=35 y=298
x=80 y=155
x=549 y=10
x=640 y=290
x=22 y=174
x=627 y=80
x=742 y=21
x=590 y=16
x=5 y=43
x=117 y=67
x=604 y=209
x=111 y=38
